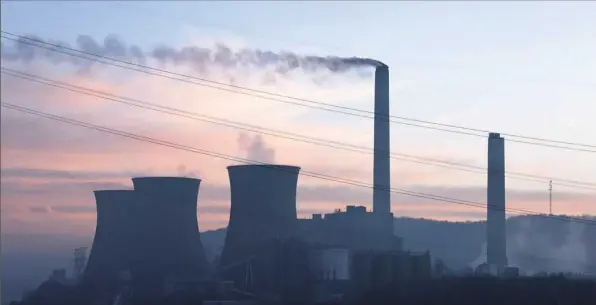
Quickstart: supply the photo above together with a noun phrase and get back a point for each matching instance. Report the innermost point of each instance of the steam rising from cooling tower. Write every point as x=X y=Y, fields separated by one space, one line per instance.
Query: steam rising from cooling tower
x=199 y=58
x=168 y=242
x=263 y=208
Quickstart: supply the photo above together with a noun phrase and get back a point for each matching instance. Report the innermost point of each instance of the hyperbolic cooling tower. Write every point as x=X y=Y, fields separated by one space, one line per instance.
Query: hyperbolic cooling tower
x=382 y=166
x=496 y=250
x=110 y=253
x=263 y=208
x=168 y=243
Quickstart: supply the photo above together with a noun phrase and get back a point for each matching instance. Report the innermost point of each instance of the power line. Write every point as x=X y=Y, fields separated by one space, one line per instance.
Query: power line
x=281 y=168
x=296 y=101
x=187 y=79
x=281 y=134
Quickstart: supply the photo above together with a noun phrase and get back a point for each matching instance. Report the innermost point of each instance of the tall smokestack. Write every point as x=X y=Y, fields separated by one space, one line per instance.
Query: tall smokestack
x=496 y=250
x=381 y=167
x=263 y=208
x=109 y=253
x=168 y=243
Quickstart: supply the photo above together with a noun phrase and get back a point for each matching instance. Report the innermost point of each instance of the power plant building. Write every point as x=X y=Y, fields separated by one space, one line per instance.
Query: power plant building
x=355 y=229
x=496 y=246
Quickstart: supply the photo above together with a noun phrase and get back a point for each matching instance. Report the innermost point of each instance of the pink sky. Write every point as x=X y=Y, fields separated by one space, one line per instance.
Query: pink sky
x=38 y=155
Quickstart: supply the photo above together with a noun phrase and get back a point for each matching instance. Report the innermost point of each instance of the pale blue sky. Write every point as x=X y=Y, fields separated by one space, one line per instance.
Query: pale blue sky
x=527 y=68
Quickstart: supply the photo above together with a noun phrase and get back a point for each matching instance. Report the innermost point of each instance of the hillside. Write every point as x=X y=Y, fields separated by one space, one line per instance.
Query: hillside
x=534 y=242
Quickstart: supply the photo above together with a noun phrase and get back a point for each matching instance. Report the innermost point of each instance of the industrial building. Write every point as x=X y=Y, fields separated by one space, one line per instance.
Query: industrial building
x=354 y=229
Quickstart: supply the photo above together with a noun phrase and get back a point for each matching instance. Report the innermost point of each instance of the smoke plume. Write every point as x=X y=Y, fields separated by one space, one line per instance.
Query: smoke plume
x=201 y=59
x=255 y=149
x=535 y=245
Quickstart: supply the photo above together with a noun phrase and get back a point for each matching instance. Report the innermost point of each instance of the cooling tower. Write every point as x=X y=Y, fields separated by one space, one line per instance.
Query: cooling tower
x=381 y=167
x=496 y=251
x=110 y=253
x=263 y=208
x=168 y=243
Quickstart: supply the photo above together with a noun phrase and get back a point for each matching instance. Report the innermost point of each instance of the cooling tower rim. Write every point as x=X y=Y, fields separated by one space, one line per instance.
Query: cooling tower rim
x=164 y=178
x=126 y=191
x=280 y=166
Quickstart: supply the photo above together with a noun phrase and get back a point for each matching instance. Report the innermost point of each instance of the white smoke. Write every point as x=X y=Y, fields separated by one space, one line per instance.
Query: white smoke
x=200 y=58
x=481 y=259
x=532 y=244
x=183 y=171
x=255 y=149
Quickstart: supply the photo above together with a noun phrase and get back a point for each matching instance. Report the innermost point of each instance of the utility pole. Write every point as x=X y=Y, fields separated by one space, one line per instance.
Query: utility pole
x=550 y=198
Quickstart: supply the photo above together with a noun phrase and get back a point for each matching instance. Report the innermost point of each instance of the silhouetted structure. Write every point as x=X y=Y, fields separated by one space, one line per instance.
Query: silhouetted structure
x=372 y=269
x=353 y=229
x=483 y=290
x=382 y=164
x=496 y=247
x=167 y=242
x=278 y=271
x=110 y=250
x=263 y=208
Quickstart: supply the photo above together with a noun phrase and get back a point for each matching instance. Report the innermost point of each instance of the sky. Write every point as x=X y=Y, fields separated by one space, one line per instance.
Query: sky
x=519 y=68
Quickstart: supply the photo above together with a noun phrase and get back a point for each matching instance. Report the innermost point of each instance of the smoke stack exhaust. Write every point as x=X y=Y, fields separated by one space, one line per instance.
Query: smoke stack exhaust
x=382 y=166
x=496 y=250
x=202 y=59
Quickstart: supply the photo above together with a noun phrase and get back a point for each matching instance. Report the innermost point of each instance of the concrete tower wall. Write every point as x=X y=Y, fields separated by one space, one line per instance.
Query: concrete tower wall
x=263 y=208
x=382 y=166
x=168 y=243
x=496 y=250
x=110 y=251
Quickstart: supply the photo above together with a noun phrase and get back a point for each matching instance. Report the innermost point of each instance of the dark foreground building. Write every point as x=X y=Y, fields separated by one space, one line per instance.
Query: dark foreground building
x=483 y=290
x=279 y=273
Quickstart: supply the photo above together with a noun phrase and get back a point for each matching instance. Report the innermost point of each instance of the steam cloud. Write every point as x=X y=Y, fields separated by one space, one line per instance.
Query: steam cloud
x=199 y=58
x=256 y=149
x=570 y=254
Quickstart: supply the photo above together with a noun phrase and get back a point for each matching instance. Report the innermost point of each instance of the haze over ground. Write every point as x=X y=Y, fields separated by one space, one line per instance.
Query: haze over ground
x=521 y=68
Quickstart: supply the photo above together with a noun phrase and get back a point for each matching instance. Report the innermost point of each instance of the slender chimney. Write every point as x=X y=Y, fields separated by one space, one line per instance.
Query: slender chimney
x=496 y=248
x=381 y=167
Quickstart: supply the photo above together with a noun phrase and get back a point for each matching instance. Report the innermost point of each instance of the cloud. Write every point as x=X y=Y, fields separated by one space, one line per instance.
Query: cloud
x=62 y=174
x=308 y=195
x=255 y=148
x=42 y=209
x=66 y=209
